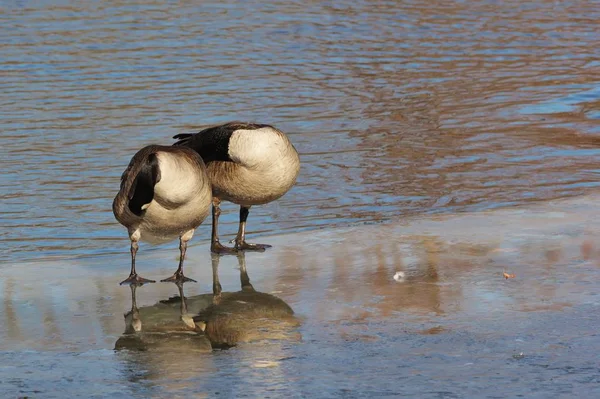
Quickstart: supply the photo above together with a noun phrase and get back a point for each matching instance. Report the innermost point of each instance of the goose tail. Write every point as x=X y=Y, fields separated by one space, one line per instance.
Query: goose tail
x=183 y=138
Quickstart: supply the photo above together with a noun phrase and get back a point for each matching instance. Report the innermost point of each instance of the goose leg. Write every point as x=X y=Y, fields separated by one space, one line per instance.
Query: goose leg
x=215 y=246
x=178 y=275
x=240 y=240
x=133 y=278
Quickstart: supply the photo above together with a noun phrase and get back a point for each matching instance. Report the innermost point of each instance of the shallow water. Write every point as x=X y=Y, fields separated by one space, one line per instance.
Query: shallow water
x=397 y=109
x=454 y=327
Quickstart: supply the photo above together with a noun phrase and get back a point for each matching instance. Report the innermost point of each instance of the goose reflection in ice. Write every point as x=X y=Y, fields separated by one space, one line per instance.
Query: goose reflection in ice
x=206 y=321
x=159 y=350
x=245 y=316
x=167 y=325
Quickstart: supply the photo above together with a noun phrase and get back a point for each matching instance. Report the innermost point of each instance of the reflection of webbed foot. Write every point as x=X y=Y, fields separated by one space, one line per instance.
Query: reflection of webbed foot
x=134 y=279
x=244 y=246
x=218 y=248
x=178 y=278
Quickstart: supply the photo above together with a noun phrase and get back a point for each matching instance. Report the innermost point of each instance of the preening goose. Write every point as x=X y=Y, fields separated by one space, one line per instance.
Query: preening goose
x=165 y=193
x=248 y=164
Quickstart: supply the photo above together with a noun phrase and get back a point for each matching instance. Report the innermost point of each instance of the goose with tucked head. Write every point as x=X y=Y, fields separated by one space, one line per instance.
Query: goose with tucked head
x=248 y=164
x=165 y=193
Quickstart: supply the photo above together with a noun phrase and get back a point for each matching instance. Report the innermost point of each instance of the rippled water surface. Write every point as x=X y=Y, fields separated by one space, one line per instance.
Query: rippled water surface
x=400 y=110
x=397 y=108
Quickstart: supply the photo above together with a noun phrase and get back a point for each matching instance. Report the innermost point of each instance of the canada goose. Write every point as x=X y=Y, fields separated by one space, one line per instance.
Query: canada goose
x=165 y=193
x=248 y=164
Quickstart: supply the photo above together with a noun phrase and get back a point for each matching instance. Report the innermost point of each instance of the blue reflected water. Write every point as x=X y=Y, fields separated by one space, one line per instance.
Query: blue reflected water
x=397 y=109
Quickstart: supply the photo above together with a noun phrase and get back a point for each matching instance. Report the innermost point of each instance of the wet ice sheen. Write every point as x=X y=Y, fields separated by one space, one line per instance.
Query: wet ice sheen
x=455 y=326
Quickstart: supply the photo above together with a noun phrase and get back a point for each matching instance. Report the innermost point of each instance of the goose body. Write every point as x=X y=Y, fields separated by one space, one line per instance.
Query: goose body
x=165 y=194
x=248 y=164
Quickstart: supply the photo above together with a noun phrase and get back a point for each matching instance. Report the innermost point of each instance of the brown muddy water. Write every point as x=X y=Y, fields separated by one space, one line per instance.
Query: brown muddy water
x=401 y=111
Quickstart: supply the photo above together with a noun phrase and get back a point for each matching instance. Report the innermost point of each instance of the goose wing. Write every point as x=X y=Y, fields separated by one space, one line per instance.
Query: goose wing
x=212 y=143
